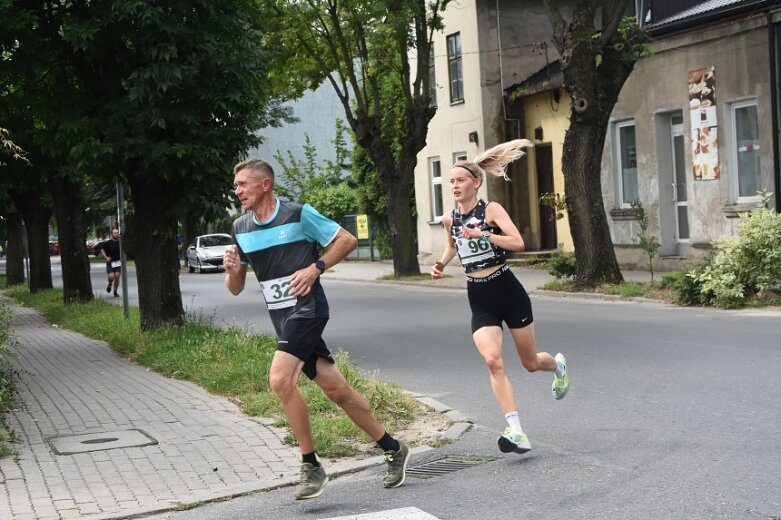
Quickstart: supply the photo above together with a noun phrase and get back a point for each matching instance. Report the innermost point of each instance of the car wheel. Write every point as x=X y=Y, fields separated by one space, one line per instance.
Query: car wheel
x=190 y=267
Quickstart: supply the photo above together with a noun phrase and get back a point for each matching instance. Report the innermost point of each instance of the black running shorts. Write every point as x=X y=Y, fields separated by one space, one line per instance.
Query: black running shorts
x=304 y=340
x=498 y=298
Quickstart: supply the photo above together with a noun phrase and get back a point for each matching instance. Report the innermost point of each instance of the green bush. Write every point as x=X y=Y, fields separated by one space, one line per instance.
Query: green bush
x=562 y=265
x=8 y=378
x=688 y=289
x=745 y=264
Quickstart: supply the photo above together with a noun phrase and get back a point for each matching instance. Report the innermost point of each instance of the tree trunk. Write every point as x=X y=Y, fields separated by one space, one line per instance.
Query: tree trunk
x=15 y=250
x=403 y=233
x=595 y=64
x=159 y=295
x=596 y=260
x=69 y=209
x=36 y=218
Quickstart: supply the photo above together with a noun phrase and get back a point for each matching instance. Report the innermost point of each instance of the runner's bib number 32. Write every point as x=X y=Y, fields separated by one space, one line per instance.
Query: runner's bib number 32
x=277 y=293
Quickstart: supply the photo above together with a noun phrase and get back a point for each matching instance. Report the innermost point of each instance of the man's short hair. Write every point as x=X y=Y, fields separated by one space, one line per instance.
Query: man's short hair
x=256 y=166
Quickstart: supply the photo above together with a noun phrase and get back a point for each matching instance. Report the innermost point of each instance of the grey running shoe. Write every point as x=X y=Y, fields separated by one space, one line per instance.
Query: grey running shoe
x=312 y=482
x=397 y=466
x=560 y=385
x=514 y=440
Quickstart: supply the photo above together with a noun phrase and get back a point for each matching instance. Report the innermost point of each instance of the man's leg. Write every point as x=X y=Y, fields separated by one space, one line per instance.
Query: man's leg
x=338 y=390
x=117 y=275
x=283 y=378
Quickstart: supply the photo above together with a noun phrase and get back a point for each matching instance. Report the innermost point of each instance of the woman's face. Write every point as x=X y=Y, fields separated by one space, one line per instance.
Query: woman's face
x=463 y=184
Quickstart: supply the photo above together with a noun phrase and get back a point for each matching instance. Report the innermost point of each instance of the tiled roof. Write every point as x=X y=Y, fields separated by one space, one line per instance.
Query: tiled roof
x=703 y=8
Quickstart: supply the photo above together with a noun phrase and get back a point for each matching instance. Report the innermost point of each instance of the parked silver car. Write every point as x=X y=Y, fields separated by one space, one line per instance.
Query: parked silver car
x=206 y=252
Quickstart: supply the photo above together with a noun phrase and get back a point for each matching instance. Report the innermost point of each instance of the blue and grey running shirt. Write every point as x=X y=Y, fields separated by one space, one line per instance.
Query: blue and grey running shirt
x=281 y=245
x=475 y=254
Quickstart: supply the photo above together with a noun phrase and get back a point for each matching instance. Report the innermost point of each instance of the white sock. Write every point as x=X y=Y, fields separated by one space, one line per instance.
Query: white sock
x=560 y=369
x=514 y=420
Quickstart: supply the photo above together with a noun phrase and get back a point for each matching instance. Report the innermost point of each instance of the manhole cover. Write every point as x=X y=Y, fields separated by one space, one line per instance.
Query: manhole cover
x=72 y=444
x=448 y=464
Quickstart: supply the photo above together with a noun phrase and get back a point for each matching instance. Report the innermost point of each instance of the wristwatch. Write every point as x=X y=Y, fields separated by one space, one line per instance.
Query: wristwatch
x=320 y=265
x=486 y=234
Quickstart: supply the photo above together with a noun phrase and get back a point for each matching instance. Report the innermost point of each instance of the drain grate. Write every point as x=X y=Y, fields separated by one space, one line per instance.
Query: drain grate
x=446 y=465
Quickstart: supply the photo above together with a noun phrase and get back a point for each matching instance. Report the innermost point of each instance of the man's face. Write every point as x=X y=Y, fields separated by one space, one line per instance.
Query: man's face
x=250 y=188
x=115 y=234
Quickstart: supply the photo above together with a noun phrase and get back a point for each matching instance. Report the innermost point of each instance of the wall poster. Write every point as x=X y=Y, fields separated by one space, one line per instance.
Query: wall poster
x=704 y=124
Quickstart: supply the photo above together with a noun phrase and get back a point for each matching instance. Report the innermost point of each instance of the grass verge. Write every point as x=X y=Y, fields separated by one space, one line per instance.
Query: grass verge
x=232 y=363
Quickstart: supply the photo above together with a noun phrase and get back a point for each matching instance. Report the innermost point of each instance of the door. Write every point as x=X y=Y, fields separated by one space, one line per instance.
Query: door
x=680 y=194
x=544 y=163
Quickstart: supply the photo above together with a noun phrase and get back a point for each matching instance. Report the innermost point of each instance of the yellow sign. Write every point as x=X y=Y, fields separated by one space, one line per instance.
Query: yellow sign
x=362 y=222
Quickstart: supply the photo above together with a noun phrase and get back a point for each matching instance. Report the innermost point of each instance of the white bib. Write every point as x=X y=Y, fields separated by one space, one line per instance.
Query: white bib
x=277 y=293
x=474 y=250
x=116 y=263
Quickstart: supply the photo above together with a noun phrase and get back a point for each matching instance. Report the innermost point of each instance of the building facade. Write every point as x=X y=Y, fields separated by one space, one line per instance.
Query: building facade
x=485 y=47
x=694 y=134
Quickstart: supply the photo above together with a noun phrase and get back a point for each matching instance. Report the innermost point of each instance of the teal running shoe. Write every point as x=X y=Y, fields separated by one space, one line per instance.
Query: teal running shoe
x=560 y=385
x=514 y=440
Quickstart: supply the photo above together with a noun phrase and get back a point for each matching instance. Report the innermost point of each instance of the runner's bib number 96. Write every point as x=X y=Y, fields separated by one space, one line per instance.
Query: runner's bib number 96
x=277 y=293
x=471 y=250
x=116 y=263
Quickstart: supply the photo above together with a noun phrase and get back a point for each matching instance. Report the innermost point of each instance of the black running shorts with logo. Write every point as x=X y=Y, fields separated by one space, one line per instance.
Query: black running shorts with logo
x=304 y=339
x=499 y=299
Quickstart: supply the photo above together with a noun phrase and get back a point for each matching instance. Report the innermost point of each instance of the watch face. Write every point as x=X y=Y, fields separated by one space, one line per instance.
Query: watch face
x=320 y=265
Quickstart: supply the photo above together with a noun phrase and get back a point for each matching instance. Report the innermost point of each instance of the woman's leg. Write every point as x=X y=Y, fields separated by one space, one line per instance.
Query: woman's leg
x=488 y=341
x=526 y=346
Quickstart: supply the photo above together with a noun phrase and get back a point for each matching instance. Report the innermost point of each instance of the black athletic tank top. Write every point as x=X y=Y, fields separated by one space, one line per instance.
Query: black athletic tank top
x=476 y=254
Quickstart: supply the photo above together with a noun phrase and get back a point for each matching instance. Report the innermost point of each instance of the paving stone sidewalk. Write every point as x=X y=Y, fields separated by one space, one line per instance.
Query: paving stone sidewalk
x=198 y=446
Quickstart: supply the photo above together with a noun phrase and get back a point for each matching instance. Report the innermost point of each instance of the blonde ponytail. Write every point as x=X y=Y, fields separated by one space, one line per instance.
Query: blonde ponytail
x=494 y=161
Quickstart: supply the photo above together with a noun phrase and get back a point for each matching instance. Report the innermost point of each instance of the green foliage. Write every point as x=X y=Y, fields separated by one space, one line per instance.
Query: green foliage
x=556 y=201
x=334 y=201
x=325 y=187
x=743 y=265
x=635 y=44
x=562 y=265
x=8 y=378
x=648 y=244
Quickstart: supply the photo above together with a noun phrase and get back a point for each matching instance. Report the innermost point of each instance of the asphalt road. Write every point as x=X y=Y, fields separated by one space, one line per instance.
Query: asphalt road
x=673 y=412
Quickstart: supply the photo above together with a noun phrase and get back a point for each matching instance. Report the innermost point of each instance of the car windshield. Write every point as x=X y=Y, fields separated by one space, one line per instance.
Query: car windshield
x=216 y=240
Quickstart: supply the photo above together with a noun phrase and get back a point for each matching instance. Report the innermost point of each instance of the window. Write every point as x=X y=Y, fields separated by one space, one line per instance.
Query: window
x=746 y=150
x=435 y=171
x=626 y=152
x=455 y=68
x=432 y=79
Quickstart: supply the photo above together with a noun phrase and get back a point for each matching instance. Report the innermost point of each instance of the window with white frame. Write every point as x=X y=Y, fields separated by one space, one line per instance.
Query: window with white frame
x=455 y=68
x=432 y=79
x=435 y=173
x=626 y=159
x=745 y=132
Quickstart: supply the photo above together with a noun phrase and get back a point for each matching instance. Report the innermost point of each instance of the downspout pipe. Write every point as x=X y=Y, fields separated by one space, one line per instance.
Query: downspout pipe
x=501 y=72
x=772 y=51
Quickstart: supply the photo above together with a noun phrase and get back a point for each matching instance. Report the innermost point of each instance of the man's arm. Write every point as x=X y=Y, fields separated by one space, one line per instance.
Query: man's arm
x=235 y=272
x=343 y=244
